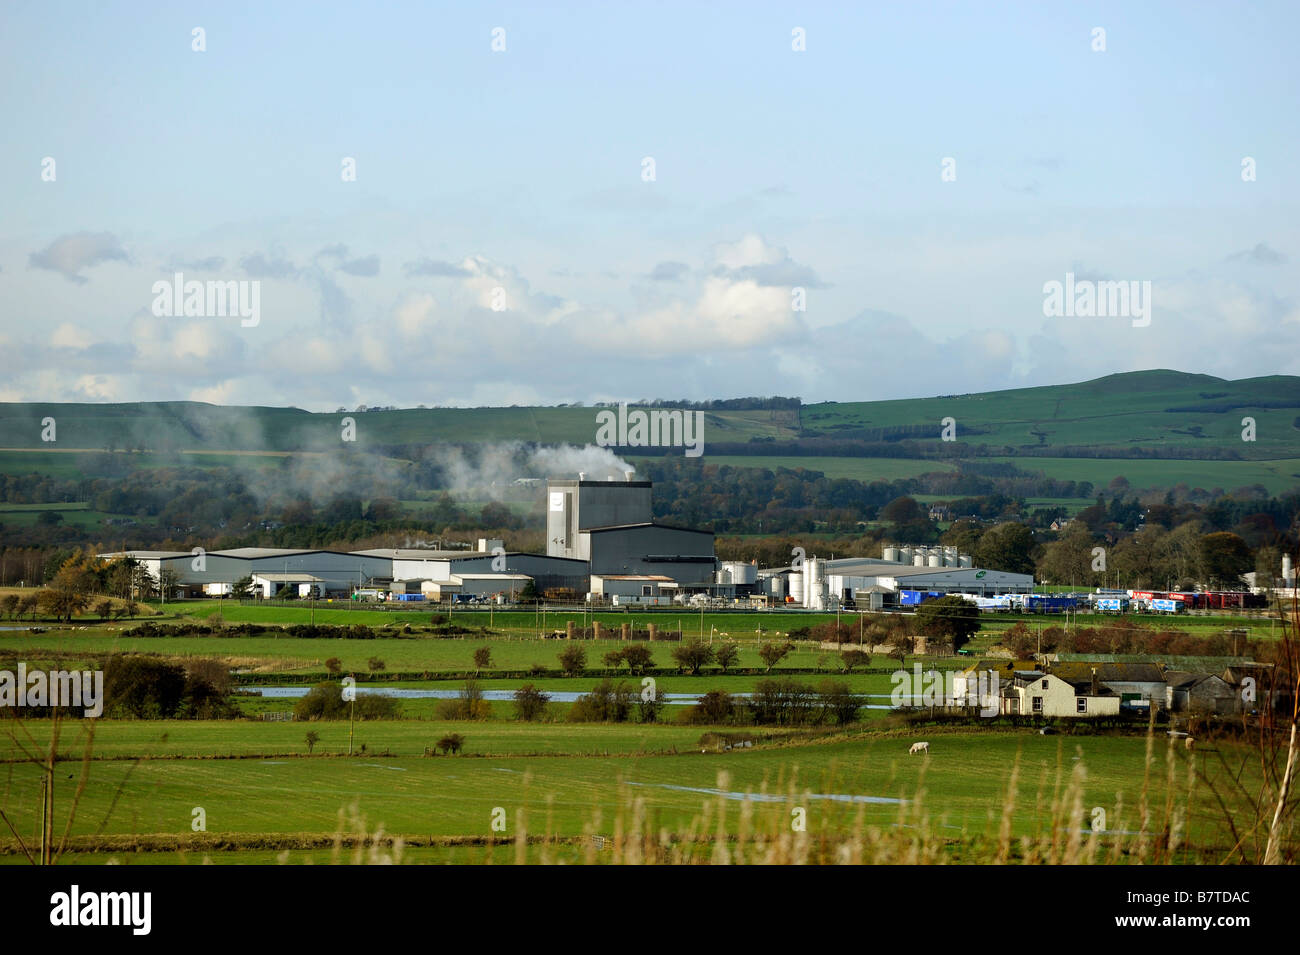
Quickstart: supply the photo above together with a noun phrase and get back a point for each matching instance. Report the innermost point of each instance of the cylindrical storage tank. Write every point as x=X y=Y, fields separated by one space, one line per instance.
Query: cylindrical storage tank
x=950 y=560
x=775 y=587
x=796 y=588
x=905 y=555
x=890 y=554
x=918 y=560
x=965 y=561
x=722 y=576
x=814 y=585
x=1288 y=572
x=739 y=572
x=934 y=560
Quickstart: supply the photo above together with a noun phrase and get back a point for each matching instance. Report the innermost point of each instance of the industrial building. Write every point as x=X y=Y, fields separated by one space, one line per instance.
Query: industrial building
x=610 y=526
x=603 y=528
x=871 y=583
x=212 y=573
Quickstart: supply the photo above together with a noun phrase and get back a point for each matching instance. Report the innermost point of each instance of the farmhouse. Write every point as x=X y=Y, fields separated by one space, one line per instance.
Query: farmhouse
x=1035 y=693
x=1137 y=684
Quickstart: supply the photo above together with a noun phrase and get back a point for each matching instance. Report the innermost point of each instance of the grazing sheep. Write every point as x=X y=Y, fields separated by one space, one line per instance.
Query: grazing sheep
x=919 y=748
x=1189 y=742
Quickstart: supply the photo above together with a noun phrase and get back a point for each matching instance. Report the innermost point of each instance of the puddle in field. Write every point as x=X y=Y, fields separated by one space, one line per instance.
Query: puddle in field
x=392 y=769
x=775 y=797
x=270 y=762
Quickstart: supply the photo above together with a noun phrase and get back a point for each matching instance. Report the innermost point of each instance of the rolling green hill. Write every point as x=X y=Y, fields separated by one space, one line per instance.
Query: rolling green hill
x=1165 y=427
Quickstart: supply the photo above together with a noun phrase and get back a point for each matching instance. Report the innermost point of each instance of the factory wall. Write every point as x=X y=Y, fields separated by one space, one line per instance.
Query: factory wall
x=576 y=506
x=684 y=555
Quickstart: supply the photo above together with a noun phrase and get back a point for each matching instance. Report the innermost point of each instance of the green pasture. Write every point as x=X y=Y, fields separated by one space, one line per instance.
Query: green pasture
x=962 y=786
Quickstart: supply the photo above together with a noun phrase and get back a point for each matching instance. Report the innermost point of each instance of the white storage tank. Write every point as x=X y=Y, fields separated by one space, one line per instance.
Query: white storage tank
x=775 y=587
x=918 y=560
x=814 y=590
x=965 y=561
x=890 y=554
x=796 y=588
x=934 y=560
x=739 y=572
x=905 y=555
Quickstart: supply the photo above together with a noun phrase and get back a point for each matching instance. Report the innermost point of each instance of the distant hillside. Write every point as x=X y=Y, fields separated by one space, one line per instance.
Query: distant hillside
x=1161 y=415
x=1138 y=409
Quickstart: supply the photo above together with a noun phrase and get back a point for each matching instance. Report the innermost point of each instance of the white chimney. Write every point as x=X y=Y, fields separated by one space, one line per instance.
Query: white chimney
x=582 y=475
x=1288 y=572
x=627 y=476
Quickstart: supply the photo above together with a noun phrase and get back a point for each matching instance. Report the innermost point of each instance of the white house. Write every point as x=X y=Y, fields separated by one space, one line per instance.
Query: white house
x=1034 y=693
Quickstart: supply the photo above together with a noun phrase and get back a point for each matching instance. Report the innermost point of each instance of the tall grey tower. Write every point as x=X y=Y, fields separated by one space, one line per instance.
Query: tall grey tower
x=574 y=506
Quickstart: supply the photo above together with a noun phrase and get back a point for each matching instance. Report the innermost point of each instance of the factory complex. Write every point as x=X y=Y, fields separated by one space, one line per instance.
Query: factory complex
x=603 y=546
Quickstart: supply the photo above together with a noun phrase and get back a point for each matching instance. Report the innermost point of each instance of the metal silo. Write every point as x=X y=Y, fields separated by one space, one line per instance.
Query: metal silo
x=891 y=554
x=796 y=588
x=814 y=591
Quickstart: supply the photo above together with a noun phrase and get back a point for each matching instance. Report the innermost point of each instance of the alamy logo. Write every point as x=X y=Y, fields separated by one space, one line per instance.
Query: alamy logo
x=75 y=907
x=179 y=298
x=1084 y=298
x=83 y=689
x=657 y=428
x=931 y=688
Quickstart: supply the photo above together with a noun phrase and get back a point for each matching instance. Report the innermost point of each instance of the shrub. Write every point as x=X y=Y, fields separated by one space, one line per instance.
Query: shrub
x=451 y=743
x=715 y=707
x=726 y=656
x=334 y=665
x=375 y=664
x=606 y=703
x=530 y=703
x=482 y=658
x=325 y=701
x=692 y=656
x=782 y=701
x=855 y=658
x=773 y=653
x=468 y=705
x=839 y=705
x=573 y=660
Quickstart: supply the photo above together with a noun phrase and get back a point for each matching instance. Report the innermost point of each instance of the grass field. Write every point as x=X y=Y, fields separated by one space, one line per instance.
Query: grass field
x=984 y=793
x=963 y=786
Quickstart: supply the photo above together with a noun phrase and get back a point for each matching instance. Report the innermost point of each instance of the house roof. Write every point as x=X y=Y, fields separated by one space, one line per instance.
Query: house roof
x=1184 y=680
x=1110 y=672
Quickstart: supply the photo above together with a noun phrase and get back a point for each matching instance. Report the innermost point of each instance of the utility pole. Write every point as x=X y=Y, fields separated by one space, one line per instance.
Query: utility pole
x=352 y=719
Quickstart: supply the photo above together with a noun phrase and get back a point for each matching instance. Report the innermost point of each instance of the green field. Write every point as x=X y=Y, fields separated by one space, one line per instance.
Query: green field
x=985 y=792
x=962 y=786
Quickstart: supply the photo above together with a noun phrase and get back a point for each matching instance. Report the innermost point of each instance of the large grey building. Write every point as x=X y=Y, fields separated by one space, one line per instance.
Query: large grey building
x=610 y=525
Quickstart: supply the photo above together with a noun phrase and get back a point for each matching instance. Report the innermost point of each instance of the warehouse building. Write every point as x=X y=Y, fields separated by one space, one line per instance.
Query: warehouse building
x=870 y=583
x=213 y=572
x=610 y=526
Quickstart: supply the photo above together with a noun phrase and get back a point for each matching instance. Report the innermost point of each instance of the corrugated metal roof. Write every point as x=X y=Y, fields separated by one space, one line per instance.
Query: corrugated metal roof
x=146 y=554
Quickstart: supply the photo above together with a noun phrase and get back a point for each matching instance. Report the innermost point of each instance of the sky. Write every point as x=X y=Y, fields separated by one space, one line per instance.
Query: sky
x=573 y=202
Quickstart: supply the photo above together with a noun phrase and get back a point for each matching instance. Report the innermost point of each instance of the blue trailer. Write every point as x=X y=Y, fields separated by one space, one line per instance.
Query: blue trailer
x=1112 y=604
x=914 y=598
x=1045 y=603
x=1161 y=605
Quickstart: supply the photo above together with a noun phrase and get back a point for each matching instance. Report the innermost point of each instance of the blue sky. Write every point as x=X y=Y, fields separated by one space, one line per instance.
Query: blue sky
x=522 y=170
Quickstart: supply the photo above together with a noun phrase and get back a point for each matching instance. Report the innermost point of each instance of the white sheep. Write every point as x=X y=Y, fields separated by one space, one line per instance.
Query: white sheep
x=1189 y=742
x=919 y=748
